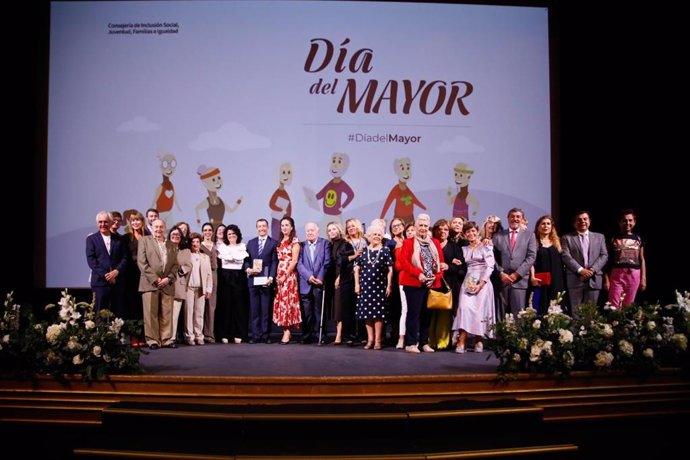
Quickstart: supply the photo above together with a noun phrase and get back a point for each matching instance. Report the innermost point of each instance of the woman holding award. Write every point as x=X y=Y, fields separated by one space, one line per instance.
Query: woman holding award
x=475 y=313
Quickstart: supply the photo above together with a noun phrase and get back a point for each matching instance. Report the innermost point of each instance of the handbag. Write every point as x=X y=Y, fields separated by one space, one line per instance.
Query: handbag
x=439 y=300
x=545 y=278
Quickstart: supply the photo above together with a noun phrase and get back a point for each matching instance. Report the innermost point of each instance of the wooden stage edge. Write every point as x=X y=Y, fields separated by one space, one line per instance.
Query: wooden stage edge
x=579 y=397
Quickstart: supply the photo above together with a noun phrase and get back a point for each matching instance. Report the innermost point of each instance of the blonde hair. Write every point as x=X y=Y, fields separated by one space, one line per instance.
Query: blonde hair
x=553 y=236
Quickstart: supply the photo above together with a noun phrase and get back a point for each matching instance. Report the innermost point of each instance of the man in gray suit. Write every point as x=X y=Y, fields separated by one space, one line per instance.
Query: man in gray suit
x=515 y=249
x=584 y=255
x=314 y=258
x=157 y=260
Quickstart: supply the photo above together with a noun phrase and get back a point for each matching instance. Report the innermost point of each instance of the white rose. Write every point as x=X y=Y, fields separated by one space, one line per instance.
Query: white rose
x=536 y=324
x=565 y=336
x=97 y=351
x=603 y=359
x=77 y=360
x=651 y=325
x=89 y=324
x=53 y=332
x=517 y=358
x=6 y=338
x=626 y=347
x=648 y=353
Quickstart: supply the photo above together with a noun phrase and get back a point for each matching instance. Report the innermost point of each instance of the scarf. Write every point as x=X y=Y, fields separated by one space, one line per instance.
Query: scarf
x=417 y=253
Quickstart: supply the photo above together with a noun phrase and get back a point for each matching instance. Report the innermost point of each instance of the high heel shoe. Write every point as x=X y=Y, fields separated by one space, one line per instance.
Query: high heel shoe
x=377 y=345
x=283 y=341
x=369 y=345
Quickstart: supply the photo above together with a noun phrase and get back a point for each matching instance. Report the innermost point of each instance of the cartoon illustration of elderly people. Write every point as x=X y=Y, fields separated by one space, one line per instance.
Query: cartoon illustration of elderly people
x=332 y=193
x=401 y=194
x=164 y=198
x=213 y=204
x=462 y=200
x=280 y=203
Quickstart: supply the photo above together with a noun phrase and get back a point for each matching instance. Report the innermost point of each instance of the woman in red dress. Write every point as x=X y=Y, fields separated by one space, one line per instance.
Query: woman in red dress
x=286 y=309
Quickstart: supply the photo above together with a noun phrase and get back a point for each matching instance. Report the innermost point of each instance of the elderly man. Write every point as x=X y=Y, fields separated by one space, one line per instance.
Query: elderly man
x=314 y=259
x=157 y=260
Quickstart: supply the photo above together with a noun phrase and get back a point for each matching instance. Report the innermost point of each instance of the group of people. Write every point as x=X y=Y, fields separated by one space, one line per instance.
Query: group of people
x=229 y=291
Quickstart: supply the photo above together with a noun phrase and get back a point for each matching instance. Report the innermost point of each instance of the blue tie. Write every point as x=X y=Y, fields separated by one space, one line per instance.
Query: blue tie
x=261 y=245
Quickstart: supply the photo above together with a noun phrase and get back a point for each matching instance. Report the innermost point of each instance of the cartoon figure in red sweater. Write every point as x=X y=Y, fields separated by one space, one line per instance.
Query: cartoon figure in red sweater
x=164 y=197
x=463 y=200
x=332 y=192
x=401 y=193
x=280 y=203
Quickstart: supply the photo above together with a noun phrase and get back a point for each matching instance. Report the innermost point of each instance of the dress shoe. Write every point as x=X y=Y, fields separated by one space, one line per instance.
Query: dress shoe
x=412 y=349
x=209 y=340
x=268 y=340
x=170 y=345
x=154 y=346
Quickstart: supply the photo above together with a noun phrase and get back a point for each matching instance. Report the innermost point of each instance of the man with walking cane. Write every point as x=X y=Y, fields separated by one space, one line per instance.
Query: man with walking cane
x=314 y=258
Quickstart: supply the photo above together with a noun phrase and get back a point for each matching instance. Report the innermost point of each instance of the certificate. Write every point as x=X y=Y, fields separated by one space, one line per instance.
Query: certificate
x=260 y=280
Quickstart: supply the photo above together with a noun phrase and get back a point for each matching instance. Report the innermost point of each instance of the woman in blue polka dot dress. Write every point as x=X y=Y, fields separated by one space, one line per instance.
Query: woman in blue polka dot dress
x=373 y=277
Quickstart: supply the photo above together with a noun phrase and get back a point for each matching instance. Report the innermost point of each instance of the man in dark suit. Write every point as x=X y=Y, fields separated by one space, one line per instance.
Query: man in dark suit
x=314 y=258
x=516 y=250
x=584 y=255
x=107 y=258
x=261 y=267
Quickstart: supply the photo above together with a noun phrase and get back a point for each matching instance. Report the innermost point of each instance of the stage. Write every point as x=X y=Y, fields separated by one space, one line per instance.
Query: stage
x=230 y=401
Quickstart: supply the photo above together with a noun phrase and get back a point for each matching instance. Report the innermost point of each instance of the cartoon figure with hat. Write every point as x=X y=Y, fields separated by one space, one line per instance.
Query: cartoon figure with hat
x=404 y=199
x=213 y=204
x=462 y=200
x=164 y=198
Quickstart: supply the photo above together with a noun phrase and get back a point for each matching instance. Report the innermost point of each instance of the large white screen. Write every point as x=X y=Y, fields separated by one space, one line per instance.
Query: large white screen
x=229 y=85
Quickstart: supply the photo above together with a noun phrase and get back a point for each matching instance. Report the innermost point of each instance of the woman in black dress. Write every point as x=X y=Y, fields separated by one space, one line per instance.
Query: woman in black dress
x=546 y=275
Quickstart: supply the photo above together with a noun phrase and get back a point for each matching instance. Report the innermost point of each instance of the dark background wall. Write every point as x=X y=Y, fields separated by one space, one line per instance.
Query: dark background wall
x=618 y=139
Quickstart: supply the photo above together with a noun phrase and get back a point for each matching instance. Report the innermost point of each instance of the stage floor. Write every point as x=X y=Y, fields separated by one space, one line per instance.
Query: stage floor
x=297 y=360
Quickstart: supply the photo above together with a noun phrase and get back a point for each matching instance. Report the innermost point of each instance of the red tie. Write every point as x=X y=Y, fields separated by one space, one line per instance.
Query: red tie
x=513 y=234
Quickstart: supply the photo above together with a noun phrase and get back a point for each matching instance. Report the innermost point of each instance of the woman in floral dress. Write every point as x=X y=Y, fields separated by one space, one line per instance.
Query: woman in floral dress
x=286 y=309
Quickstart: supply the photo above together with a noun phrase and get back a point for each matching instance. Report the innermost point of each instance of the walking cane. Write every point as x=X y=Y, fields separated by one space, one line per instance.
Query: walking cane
x=323 y=300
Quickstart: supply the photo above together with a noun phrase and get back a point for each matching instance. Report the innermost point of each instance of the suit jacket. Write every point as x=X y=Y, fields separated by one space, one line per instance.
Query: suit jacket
x=184 y=260
x=101 y=262
x=573 y=258
x=317 y=269
x=151 y=264
x=269 y=256
x=520 y=259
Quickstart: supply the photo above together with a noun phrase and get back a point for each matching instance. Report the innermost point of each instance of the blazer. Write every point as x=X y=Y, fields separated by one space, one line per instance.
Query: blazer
x=573 y=258
x=184 y=260
x=409 y=273
x=101 y=262
x=269 y=256
x=305 y=267
x=151 y=265
x=520 y=259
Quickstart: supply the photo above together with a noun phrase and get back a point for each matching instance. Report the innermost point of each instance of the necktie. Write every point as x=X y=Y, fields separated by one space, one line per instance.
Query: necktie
x=584 y=241
x=261 y=245
x=513 y=235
